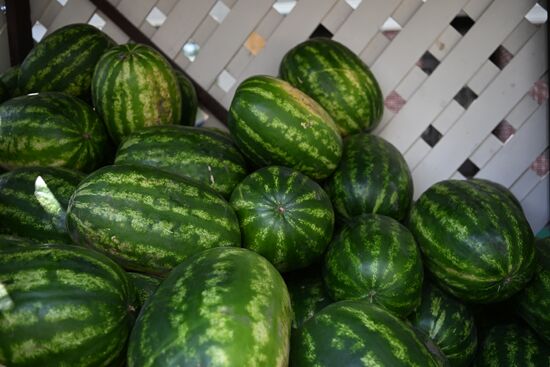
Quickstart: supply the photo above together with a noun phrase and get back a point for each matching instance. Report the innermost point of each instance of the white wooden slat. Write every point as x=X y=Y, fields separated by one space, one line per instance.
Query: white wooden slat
x=148 y=29
x=339 y=13
x=537 y=205
x=37 y=8
x=457 y=176
x=239 y=62
x=483 y=77
x=519 y=36
x=204 y=31
x=417 y=152
x=175 y=32
x=136 y=10
x=445 y=43
x=411 y=82
x=375 y=47
x=166 y=6
x=296 y=27
x=525 y=183
x=478 y=121
x=448 y=117
x=406 y=10
x=475 y=8
x=75 y=11
x=409 y=45
x=486 y=150
x=448 y=78
x=50 y=13
x=523 y=109
x=364 y=23
x=219 y=49
x=113 y=30
x=520 y=151
x=269 y=23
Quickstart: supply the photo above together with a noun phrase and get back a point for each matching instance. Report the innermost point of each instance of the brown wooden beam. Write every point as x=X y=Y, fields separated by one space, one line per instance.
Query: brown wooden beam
x=138 y=36
x=18 y=18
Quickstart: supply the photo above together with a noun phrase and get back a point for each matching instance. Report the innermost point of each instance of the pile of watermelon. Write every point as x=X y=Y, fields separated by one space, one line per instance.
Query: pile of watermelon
x=129 y=237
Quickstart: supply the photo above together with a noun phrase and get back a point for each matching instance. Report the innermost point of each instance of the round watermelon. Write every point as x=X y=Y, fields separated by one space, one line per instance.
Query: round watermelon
x=189 y=100
x=476 y=242
x=64 y=61
x=375 y=258
x=372 y=177
x=274 y=123
x=51 y=129
x=284 y=216
x=338 y=80
x=10 y=79
x=222 y=307
x=8 y=242
x=134 y=86
x=357 y=333
x=63 y=306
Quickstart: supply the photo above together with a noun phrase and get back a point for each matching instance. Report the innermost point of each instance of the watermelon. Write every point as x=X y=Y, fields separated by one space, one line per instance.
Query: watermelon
x=375 y=258
x=134 y=86
x=69 y=306
x=274 y=123
x=372 y=177
x=200 y=154
x=221 y=307
x=149 y=220
x=4 y=92
x=512 y=344
x=64 y=61
x=10 y=79
x=34 y=200
x=284 y=216
x=189 y=100
x=307 y=294
x=51 y=129
x=145 y=286
x=481 y=183
x=449 y=323
x=533 y=302
x=476 y=242
x=8 y=242
x=357 y=333
x=338 y=80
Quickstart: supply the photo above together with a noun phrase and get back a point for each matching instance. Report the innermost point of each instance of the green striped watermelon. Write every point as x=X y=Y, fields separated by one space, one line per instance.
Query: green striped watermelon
x=372 y=177
x=307 y=294
x=284 y=216
x=338 y=80
x=51 y=129
x=147 y=219
x=533 y=302
x=189 y=100
x=375 y=258
x=476 y=242
x=8 y=242
x=507 y=194
x=34 y=200
x=134 y=86
x=200 y=154
x=512 y=345
x=10 y=79
x=357 y=333
x=64 y=61
x=222 y=307
x=69 y=306
x=449 y=323
x=274 y=123
x=145 y=286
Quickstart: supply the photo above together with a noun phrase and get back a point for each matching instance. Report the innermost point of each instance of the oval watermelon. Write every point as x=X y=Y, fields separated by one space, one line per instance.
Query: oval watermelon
x=70 y=306
x=64 y=61
x=338 y=80
x=189 y=100
x=8 y=242
x=284 y=216
x=134 y=86
x=274 y=123
x=51 y=129
x=147 y=219
x=10 y=79
x=476 y=242
x=222 y=307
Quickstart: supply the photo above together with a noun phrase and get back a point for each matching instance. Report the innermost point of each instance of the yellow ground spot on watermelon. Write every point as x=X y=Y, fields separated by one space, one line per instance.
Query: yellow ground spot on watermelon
x=12 y=320
x=82 y=281
x=67 y=312
x=26 y=280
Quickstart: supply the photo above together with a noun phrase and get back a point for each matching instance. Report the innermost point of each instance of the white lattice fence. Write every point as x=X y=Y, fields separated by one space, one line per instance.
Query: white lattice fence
x=465 y=81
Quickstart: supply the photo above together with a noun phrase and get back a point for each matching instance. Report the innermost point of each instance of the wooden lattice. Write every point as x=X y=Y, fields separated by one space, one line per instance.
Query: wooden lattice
x=465 y=81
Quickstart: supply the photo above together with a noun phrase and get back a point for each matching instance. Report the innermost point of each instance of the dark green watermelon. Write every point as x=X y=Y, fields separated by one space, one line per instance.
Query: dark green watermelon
x=476 y=242
x=145 y=286
x=338 y=80
x=449 y=323
x=284 y=216
x=200 y=154
x=134 y=86
x=149 y=220
x=512 y=345
x=274 y=123
x=10 y=78
x=63 y=306
x=222 y=307
x=8 y=242
x=34 y=200
x=533 y=302
x=372 y=177
x=357 y=333
x=375 y=258
x=189 y=100
x=64 y=61
x=51 y=129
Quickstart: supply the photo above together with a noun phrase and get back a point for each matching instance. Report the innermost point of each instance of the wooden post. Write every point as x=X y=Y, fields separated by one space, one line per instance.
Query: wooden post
x=18 y=17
